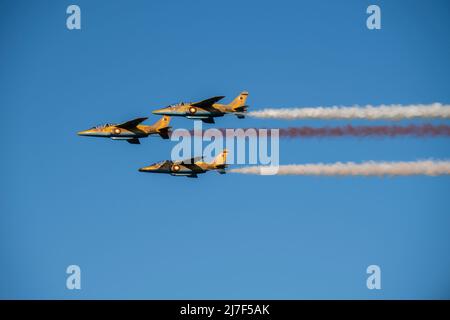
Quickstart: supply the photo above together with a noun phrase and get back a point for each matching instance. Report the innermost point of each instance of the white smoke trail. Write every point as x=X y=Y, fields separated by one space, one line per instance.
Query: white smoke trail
x=428 y=167
x=385 y=112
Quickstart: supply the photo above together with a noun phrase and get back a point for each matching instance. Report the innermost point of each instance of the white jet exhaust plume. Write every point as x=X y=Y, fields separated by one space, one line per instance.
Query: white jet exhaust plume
x=369 y=112
x=370 y=168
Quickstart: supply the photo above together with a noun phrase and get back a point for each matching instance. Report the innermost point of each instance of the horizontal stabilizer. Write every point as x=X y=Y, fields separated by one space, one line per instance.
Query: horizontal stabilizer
x=164 y=133
x=241 y=109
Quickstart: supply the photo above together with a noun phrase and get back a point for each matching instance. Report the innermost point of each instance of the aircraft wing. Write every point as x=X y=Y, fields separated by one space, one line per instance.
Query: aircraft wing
x=189 y=161
x=208 y=103
x=131 y=124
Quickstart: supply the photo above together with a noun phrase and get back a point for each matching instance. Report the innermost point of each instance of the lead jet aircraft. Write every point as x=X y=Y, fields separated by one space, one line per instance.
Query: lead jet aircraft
x=208 y=109
x=189 y=168
x=130 y=131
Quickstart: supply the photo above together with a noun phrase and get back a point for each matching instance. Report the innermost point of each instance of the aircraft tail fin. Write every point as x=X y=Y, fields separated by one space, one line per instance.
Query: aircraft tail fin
x=220 y=162
x=238 y=104
x=162 y=123
x=162 y=127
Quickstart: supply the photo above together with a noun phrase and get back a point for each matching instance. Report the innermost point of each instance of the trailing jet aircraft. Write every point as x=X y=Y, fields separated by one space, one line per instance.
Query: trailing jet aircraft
x=208 y=109
x=130 y=131
x=189 y=168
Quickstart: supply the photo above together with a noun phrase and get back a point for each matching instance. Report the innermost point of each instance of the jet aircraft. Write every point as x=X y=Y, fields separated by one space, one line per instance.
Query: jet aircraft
x=130 y=131
x=189 y=168
x=208 y=109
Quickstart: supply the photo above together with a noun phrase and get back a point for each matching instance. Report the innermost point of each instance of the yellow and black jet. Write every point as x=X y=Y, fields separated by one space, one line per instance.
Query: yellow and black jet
x=208 y=109
x=130 y=131
x=189 y=168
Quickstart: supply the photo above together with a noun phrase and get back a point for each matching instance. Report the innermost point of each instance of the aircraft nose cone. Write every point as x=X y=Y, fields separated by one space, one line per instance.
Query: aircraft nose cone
x=158 y=111
x=148 y=169
x=82 y=133
x=163 y=111
x=89 y=133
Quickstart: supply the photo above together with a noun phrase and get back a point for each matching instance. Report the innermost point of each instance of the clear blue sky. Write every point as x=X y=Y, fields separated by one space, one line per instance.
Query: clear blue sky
x=73 y=200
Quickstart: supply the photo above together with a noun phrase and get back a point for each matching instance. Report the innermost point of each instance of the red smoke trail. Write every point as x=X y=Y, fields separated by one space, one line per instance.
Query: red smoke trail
x=424 y=130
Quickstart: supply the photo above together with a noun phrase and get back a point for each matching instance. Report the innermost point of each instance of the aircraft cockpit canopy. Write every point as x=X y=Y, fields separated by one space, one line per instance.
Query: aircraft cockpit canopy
x=160 y=163
x=182 y=103
x=100 y=126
